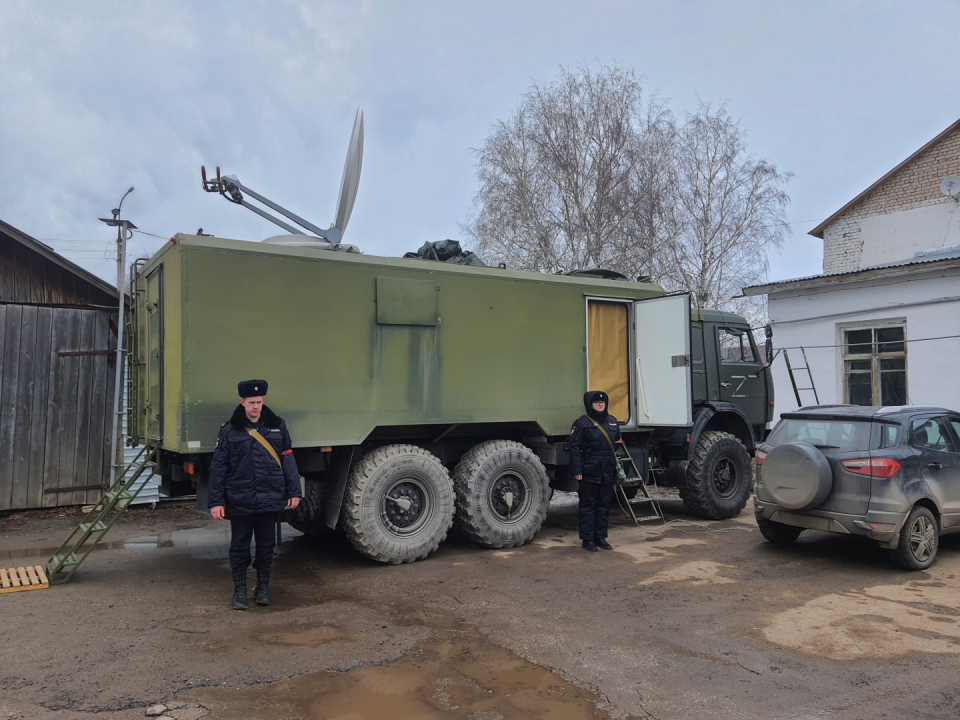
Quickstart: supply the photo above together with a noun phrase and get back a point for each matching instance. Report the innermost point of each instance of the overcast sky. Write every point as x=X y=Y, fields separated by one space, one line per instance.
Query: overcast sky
x=96 y=97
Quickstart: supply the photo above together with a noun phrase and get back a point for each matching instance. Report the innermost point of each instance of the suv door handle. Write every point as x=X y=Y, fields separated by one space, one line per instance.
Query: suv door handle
x=935 y=466
x=726 y=384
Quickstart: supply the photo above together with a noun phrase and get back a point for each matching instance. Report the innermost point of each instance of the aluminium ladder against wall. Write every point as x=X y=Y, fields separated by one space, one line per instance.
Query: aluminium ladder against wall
x=641 y=502
x=86 y=536
x=793 y=380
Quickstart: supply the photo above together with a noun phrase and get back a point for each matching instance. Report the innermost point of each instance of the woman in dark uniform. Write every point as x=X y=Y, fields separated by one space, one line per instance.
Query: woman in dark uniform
x=593 y=465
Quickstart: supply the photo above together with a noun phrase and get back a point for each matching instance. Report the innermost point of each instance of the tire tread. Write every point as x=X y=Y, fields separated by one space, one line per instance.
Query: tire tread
x=351 y=514
x=466 y=516
x=696 y=495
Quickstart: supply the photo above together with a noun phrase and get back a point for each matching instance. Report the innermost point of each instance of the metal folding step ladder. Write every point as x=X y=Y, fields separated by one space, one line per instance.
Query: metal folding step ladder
x=793 y=380
x=640 y=503
x=86 y=536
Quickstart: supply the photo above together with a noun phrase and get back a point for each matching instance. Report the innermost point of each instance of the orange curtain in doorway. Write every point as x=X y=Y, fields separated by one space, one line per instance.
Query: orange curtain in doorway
x=608 y=355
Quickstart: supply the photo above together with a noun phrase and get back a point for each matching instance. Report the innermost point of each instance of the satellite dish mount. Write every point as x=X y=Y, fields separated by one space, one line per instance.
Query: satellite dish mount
x=230 y=187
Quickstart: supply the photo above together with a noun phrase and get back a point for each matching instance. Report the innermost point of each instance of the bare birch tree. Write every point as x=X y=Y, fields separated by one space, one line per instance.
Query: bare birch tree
x=587 y=173
x=730 y=211
x=559 y=180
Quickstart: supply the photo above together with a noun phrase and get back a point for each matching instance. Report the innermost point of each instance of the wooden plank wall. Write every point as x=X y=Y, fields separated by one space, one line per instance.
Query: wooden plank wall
x=56 y=409
x=27 y=277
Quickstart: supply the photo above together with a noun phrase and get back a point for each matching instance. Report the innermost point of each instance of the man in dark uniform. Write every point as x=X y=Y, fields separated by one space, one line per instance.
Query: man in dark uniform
x=593 y=465
x=253 y=477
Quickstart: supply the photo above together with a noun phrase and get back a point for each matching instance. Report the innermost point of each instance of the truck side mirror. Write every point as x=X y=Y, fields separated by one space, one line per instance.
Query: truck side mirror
x=768 y=331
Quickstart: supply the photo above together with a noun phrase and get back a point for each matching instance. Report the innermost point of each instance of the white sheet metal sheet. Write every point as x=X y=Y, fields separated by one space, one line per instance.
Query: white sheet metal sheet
x=662 y=368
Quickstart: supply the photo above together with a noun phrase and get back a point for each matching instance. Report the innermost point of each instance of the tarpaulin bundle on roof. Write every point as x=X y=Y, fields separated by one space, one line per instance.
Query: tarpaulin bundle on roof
x=446 y=251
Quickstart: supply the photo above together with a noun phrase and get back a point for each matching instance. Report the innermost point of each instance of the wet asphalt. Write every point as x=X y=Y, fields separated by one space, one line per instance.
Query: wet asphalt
x=679 y=621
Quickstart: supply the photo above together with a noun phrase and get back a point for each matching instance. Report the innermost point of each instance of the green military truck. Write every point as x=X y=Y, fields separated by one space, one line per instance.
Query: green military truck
x=420 y=393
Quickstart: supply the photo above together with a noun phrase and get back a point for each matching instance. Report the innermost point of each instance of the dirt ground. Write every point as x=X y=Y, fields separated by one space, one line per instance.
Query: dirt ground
x=681 y=621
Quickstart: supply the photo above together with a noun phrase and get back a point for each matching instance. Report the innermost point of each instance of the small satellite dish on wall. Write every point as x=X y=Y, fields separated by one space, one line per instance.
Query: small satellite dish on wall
x=951 y=187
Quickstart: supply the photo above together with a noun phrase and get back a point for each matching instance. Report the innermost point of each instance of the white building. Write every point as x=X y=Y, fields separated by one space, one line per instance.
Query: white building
x=881 y=325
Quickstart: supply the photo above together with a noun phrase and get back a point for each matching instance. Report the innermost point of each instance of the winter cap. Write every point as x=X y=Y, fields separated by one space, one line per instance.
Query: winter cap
x=252 y=388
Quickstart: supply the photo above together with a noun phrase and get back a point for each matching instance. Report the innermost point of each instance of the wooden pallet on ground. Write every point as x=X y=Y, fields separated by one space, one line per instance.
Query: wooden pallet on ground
x=17 y=579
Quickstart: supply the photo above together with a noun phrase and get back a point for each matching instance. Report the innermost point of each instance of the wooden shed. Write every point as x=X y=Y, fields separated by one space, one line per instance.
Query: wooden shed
x=58 y=339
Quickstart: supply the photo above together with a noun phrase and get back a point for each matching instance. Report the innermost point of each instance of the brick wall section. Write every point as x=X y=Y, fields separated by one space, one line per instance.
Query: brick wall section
x=916 y=185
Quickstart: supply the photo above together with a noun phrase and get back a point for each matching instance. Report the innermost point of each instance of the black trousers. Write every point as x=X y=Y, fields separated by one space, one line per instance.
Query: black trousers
x=263 y=526
x=594 y=509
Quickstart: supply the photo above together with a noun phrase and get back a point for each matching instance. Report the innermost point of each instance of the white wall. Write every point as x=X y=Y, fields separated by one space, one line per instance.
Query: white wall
x=933 y=367
x=901 y=235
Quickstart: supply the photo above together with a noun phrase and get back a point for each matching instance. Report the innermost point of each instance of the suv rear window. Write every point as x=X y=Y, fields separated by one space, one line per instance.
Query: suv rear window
x=825 y=434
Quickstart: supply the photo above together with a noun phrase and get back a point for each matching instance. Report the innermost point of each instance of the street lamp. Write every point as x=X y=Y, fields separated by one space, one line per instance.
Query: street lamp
x=125 y=230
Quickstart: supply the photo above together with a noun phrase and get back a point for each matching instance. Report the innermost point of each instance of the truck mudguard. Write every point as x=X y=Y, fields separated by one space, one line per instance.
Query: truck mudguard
x=734 y=422
x=336 y=483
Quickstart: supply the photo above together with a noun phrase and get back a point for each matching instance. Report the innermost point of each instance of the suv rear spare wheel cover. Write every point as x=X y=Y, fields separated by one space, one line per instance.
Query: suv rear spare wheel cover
x=797 y=476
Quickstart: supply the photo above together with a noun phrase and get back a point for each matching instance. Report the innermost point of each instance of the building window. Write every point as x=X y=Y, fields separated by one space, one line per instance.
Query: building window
x=875 y=366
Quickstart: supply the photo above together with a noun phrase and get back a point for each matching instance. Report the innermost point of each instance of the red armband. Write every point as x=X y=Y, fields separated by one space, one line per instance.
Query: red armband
x=287 y=452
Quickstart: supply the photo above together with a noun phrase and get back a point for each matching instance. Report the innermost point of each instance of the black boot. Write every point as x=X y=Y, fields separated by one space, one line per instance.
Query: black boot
x=240 y=590
x=260 y=594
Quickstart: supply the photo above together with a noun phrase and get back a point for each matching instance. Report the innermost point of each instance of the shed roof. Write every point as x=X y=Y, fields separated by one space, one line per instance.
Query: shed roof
x=819 y=229
x=53 y=256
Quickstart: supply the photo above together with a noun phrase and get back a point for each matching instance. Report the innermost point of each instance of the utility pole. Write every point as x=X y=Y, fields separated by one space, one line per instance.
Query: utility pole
x=124 y=232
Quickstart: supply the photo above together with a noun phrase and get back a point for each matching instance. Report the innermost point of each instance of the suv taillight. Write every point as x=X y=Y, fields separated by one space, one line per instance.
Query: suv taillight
x=884 y=468
x=759 y=458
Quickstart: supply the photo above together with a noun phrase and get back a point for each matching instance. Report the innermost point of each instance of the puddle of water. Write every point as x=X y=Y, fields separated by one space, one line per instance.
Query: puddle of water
x=454 y=675
x=881 y=622
x=46 y=552
x=307 y=637
x=196 y=542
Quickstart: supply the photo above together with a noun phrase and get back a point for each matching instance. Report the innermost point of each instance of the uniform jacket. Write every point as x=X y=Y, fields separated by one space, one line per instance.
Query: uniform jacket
x=590 y=453
x=244 y=478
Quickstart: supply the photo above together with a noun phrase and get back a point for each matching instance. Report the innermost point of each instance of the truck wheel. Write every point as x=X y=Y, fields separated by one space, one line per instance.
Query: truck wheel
x=919 y=539
x=502 y=494
x=307 y=518
x=398 y=504
x=778 y=533
x=719 y=477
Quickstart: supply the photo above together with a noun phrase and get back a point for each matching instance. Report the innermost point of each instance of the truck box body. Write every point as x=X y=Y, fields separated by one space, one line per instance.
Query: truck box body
x=354 y=345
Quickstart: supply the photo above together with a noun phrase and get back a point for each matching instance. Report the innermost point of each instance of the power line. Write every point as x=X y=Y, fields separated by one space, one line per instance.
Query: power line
x=142 y=232
x=884 y=342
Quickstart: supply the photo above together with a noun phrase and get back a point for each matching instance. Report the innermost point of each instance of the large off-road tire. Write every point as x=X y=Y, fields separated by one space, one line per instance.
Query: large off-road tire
x=919 y=540
x=778 y=533
x=308 y=517
x=398 y=505
x=502 y=494
x=719 y=477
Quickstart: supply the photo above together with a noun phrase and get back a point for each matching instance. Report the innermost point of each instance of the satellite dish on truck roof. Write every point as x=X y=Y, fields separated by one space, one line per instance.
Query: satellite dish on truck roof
x=229 y=187
x=351 y=175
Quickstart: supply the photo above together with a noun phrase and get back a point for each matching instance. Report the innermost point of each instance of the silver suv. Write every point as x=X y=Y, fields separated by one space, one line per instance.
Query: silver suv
x=889 y=473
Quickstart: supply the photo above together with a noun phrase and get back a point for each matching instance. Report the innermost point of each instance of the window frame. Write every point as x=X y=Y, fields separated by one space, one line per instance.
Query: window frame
x=874 y=357
x=947 y=425
x=745 y=334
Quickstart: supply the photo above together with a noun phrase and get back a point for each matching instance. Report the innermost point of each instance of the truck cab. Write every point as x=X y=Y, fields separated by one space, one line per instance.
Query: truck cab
x=731 y=405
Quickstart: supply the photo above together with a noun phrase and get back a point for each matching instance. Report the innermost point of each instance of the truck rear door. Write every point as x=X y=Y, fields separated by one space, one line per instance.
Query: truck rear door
x=662 y=367
x=153 y=360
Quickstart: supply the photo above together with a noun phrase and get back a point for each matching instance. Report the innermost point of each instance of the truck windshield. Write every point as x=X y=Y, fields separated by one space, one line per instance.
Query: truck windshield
x=825 y=434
